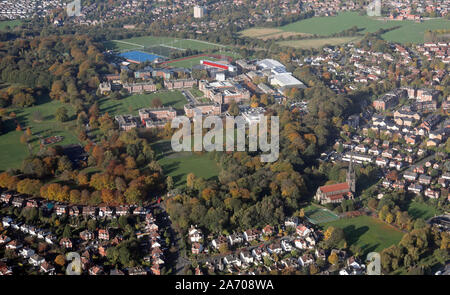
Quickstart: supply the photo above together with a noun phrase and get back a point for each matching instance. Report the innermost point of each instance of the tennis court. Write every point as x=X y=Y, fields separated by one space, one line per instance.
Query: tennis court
x=318 y=215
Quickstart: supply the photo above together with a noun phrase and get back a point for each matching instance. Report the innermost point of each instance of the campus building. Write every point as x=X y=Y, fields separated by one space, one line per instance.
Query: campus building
x=204 y=108
x=126 y=122
x=224 y=92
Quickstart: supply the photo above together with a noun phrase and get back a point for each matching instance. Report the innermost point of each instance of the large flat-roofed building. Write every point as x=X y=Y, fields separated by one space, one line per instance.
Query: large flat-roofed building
x=180 y=83
x=286 y=80
x=199 y=11
x=252 y=115
x=139 y=87
x=269 y=64
x=164 y=113
x=155 y=123
x=223 y=92
x=385 y=102
x=126 y=122
x=219 y=65
x=278 y=75
x=245 y=65
x=204 y=108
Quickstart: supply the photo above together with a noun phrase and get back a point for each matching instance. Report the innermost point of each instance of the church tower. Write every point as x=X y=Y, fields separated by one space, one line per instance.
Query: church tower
x=351 y=178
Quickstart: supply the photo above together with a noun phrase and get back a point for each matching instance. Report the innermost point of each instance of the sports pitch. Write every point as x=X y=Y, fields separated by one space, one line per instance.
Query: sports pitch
x=162 y=46
x=318 y=215
x=139 y=56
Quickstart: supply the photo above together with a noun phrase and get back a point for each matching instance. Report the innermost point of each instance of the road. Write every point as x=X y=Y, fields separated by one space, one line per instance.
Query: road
x=190 y=98
x=179 y=262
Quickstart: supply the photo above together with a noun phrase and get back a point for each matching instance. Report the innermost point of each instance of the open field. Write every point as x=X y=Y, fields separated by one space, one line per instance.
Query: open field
x=409 y=31
x=269 y=33
x=317 y=43
x=132 y=103
x=188 y=63
x=10 y=23
x=367 y=232
x=13 y=151
x=147 y=42
x=180 y=164
x=421 y=210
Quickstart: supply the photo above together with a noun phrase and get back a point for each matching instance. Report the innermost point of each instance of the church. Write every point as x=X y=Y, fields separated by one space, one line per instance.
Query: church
x=335 y=193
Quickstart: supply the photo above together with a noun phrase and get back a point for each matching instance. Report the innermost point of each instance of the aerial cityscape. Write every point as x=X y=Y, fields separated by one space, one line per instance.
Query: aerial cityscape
x=233 y=137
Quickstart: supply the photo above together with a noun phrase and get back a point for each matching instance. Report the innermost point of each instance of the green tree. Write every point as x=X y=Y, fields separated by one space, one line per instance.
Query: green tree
x=62 y=114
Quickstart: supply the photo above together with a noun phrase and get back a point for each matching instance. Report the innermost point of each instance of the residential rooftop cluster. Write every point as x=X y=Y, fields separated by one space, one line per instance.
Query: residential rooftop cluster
x=292 y=247
x=37 y=245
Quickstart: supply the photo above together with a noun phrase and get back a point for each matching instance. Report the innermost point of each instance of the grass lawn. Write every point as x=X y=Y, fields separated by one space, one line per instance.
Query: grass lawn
x=10 y=23
x=188 y=63
x=367 y=232
x=195 y=92
x=410 y=31
x=422 y=210
x=180 y=164
x=268 y=33
x=138 y=101
x=317 y=43
x=13 y=151
x=147 y=41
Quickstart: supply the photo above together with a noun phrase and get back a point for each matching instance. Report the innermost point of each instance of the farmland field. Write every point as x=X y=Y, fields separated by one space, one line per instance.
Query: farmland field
x=269 y=33
x=132 y=103
x=13 y=151
x=409 y=31
x=316 y=43
x=180 y=164
x=369 y=233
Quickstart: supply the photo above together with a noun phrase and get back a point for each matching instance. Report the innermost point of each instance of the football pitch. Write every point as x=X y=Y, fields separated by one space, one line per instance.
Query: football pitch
x=162 y=46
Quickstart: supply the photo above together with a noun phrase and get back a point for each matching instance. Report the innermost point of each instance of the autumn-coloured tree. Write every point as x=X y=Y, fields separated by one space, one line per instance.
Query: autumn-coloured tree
x=60 y=260
x=190 y=179
x=108 y=196
x=333 y=258
x=29 y=186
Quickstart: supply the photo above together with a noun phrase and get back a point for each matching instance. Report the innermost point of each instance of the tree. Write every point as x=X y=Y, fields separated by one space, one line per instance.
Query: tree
x=62 y=114
x=169 y=182
x=441 y=255
x=302 y=213
x=313 y=269
x=390 y=218
x=333 y=258
x=223 y=248
x=60 y=260
x=67 y=232
x=106 y=123
x=233 y=108
x=156 y=103
x=64 y=164
x=190 y=180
